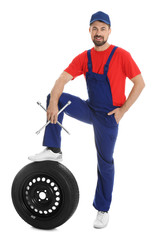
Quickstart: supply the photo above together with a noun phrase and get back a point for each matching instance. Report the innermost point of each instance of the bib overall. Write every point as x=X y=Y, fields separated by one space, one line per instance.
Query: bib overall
x=93 y=111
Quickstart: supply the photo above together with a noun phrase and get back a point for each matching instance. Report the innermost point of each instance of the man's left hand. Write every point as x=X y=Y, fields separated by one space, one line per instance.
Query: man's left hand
x=118 y=114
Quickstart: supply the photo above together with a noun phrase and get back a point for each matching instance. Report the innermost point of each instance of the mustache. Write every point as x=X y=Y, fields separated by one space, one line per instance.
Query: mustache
x=98 y=36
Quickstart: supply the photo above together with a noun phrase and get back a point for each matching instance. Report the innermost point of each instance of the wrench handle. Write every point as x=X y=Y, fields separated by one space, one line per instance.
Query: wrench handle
x=42 y=128
x=47 y=125
x=68 y=103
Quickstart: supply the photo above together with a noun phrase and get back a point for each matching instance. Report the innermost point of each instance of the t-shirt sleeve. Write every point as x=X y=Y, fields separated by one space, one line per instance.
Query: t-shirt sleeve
x=130 y=68
x=75 y=68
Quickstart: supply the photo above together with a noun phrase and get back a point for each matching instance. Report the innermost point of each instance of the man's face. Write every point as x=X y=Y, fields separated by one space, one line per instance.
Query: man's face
x=99 y=32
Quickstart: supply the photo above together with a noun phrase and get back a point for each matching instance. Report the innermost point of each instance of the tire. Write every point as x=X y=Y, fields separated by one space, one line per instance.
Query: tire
x=45 y=194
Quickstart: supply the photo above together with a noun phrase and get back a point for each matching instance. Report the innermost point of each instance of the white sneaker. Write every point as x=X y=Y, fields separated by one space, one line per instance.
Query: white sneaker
x=101 y=220
x=46 y=154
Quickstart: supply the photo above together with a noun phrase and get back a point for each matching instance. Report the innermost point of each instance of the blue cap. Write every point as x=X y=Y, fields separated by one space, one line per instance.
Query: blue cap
x=100 y=16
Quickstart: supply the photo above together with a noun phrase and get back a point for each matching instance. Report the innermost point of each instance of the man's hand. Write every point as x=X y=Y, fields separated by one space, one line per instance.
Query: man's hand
x=118 y=114
x=52 y=112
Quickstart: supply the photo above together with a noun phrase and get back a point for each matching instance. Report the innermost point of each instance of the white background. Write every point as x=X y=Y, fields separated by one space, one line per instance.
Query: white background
x=38 y=39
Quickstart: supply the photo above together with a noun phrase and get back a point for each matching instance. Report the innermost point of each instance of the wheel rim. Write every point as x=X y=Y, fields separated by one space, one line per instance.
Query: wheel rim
x=42 y=196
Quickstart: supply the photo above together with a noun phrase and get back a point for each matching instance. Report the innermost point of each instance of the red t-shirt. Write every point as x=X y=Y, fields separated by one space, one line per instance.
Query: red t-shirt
x=121 y=66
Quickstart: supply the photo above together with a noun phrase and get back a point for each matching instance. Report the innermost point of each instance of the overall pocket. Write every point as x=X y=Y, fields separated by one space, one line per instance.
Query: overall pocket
x=114 y=119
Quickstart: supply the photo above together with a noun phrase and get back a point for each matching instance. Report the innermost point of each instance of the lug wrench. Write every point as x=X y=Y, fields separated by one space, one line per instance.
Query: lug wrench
x=69 y=102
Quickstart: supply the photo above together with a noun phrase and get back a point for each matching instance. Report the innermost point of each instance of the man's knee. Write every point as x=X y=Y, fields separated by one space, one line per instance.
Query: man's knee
x=62 y=100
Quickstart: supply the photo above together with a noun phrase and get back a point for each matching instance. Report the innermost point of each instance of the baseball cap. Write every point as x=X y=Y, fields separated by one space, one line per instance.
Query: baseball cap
x=100 y=16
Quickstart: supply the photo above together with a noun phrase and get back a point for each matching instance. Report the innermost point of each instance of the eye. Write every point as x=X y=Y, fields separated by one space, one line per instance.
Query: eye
x=103 y=29
x=94 y=28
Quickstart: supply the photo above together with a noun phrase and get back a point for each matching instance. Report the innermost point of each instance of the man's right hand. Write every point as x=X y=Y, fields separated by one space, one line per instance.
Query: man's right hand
x=52 y=112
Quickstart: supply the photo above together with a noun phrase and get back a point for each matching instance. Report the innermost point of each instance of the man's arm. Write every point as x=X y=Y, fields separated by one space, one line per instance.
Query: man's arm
x=55 y=95
x=134 y=94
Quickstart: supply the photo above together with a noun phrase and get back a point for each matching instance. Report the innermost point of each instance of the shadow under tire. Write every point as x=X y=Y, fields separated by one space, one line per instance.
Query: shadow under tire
x=45 y=194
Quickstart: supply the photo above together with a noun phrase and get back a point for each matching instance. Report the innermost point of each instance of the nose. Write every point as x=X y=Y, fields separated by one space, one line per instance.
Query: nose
x=98 y=32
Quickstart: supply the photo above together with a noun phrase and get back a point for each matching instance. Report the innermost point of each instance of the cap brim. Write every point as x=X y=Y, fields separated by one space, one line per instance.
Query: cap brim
x=101 y=21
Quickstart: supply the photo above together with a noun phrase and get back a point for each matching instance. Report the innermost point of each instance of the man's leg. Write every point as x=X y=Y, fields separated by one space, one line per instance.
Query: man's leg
x=105 y=138
x=77 y=109
x=52 y=138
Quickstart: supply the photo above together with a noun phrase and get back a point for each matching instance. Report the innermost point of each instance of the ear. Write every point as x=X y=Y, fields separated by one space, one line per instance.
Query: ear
x=89 y=29
x=109 y=31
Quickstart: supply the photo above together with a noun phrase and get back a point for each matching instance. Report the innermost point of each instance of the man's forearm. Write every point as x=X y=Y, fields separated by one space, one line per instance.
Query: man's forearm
x=56 y=92
x=58 y=87
x=134 y=94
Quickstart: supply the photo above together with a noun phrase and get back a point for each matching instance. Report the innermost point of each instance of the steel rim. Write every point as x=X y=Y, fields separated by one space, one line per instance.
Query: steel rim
x=42 y=196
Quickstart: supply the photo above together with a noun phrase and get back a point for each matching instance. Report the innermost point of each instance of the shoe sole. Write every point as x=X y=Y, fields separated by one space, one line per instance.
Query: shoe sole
x=96 y=227
x=45 y=159
x=99 y=227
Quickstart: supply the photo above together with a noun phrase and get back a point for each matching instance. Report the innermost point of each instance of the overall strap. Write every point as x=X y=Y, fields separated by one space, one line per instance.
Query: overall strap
x=108 y=61
x=89 y=61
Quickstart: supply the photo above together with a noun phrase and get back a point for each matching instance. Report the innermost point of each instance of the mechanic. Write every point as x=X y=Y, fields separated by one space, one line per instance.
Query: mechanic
x=105 y=68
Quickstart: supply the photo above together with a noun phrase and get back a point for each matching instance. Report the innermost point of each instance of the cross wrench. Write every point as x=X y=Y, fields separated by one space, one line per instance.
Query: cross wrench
x=69 y=102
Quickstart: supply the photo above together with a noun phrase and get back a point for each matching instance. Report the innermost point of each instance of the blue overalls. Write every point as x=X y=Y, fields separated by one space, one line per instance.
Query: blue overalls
x=93 y=111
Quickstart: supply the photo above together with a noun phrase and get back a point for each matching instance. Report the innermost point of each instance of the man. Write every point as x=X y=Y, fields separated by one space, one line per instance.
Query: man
x=105 y=68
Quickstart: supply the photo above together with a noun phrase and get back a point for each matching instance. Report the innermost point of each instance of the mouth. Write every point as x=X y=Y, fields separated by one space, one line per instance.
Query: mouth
x=98 y=38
